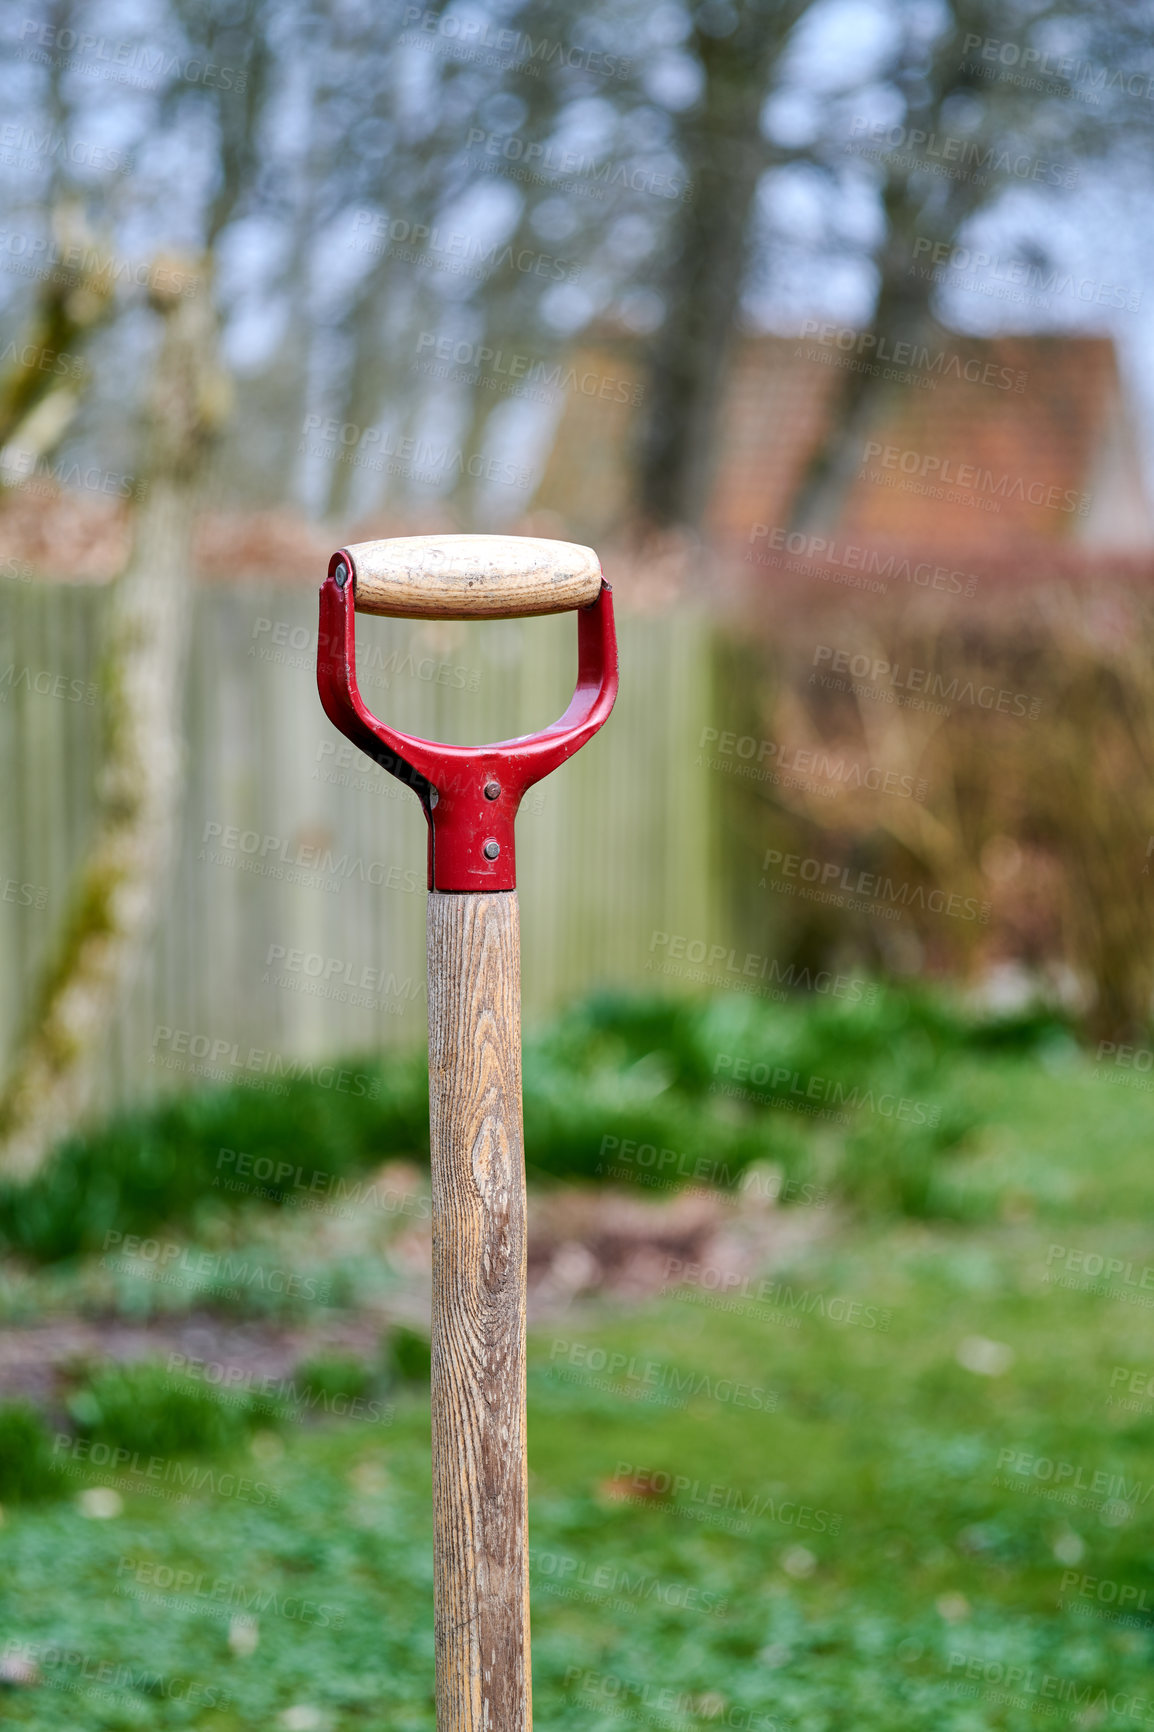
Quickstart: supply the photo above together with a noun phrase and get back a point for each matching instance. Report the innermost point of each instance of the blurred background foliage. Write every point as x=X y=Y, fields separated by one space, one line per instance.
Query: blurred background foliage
x=696 y=169
x=650 y=1068
x=1041 y=818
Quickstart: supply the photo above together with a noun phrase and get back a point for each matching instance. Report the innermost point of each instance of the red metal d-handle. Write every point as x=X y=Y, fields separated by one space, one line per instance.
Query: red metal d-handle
x=469 y=794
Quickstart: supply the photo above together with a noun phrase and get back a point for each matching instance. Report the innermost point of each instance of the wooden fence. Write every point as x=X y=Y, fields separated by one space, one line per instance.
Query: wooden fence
x=293 y=919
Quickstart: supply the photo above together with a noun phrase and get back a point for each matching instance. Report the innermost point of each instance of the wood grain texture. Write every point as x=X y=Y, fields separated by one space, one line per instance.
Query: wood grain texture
x=481 y=1559
x=472 y=576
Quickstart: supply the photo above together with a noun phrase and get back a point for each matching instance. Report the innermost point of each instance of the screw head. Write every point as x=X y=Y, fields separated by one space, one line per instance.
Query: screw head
x=492 y=790
x=491 y=849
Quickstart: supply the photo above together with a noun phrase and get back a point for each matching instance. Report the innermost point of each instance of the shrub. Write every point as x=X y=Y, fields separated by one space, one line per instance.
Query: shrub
x=719 y=1082
x=26 y=1456
x=163 y=1164
x=1034 y=805
x=144 y=1408
x=410 y=1355
x=656 y=1073
x=335 y=1375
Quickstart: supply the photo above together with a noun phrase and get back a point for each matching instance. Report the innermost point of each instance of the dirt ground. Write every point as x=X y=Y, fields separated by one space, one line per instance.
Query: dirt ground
x=587 y=1248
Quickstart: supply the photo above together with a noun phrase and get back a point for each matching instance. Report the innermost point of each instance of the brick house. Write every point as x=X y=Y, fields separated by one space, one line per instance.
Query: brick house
x=981 y=446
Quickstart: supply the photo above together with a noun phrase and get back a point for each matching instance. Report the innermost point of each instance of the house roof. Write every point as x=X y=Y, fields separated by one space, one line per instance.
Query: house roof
x=975 y=445
x=981 y=447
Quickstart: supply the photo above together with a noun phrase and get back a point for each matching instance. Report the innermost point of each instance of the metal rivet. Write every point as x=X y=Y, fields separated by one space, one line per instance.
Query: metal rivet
x=491 y=850
x=492 y=790
x=341 y=575
x=433 y=796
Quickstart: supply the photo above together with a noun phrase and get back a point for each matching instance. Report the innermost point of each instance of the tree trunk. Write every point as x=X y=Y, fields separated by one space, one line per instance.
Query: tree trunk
x=41 y=391
x=724 y=158
x=115 y=900
x=859 y=399
x=904 y=311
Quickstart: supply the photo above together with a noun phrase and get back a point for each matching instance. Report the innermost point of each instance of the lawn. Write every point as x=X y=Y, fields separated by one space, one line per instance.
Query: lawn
x=904 y=1480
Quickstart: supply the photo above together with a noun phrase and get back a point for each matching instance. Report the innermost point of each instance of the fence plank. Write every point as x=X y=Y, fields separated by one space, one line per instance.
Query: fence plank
x=305 y=938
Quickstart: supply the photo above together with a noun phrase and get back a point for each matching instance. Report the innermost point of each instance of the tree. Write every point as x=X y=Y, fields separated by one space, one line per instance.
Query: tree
x=115 y=900
x=707 y=251
x=718 y=244
x=938 y=85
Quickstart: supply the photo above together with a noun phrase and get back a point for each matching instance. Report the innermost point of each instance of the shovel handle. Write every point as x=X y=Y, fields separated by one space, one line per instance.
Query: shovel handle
x=480 y=1510
x=471 y=576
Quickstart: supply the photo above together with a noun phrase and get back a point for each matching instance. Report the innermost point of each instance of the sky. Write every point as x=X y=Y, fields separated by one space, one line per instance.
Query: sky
x=811 y=257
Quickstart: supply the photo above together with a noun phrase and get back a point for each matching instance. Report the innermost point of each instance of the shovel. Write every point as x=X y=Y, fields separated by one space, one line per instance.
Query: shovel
x=470 y=796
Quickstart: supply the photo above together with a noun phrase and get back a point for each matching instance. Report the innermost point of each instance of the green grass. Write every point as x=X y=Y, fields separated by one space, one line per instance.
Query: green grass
x=766 y=1514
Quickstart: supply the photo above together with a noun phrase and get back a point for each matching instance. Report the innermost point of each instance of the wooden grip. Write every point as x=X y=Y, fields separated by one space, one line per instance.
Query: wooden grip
x=472 y=576
x=480 y=1510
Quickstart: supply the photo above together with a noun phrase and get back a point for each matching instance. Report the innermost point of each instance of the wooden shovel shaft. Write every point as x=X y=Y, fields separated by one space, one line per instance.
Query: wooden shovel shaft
x=480 y=1516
